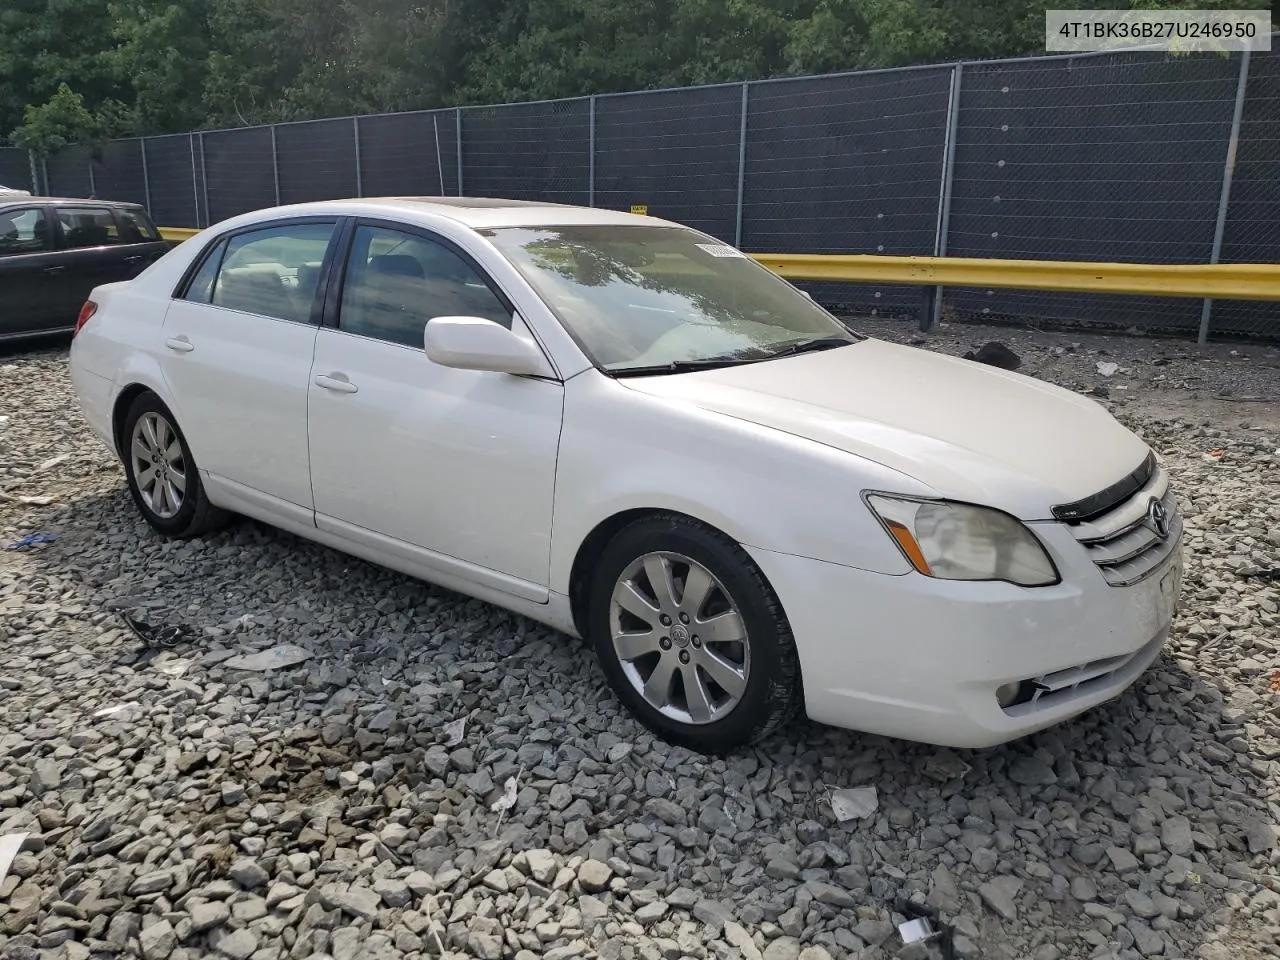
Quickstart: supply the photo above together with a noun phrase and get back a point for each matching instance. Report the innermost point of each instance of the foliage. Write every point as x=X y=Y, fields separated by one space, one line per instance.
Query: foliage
x=157 y=66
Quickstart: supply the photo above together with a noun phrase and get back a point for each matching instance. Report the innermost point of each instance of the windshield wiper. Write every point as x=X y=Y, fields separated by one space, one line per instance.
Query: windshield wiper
x=679 y=366
x=811 y=346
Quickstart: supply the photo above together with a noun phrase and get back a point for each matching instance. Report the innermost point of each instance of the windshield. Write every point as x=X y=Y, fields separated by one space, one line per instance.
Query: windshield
x=639 y=297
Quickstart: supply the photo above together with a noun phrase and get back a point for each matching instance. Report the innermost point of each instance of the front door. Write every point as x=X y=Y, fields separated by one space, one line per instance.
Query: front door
x=29 y=273
x=458 y=464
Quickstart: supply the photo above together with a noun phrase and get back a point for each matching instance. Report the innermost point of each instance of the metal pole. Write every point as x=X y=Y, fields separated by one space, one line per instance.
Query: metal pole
x=458 y=119
x=195 y=180
x=934 y=315
x=93 y=184
x=742 y=167
x=590 y=167
x=35 y=174
x=44 y=169
x=146 y=174
x=355 y=125
x=435 y=122
x=204 y=183
x=275 y=164
x=1224 y=199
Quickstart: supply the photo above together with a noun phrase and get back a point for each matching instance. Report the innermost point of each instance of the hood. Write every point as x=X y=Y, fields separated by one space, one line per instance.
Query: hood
x=969 y=431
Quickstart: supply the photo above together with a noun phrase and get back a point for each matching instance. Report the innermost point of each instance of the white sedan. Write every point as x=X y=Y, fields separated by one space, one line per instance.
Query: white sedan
x=627 y=430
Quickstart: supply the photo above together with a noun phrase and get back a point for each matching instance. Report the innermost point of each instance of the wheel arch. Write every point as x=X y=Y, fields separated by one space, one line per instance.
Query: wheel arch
x=120 y=410
x=593 y=546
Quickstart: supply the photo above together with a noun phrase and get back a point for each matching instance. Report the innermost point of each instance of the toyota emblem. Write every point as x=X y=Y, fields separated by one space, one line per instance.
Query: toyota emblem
x=1158 y=518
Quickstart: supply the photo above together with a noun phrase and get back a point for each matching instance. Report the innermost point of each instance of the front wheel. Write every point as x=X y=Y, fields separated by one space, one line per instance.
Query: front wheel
x=691 y=636
x=162 y=475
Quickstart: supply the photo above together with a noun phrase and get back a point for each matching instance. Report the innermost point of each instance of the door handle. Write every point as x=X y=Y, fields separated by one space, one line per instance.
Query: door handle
x=54 y=269
x=180 y=344
x=337 y=383
x=133 y=259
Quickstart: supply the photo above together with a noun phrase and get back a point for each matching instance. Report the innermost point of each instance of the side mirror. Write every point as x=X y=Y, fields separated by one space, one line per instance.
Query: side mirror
x=473 y=343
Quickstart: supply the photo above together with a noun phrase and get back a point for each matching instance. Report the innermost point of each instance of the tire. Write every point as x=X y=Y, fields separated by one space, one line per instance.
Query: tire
x=147 y=421
x=761 y=674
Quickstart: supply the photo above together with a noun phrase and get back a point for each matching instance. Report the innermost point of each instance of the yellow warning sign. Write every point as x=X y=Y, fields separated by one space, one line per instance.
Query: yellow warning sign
x=640 y=209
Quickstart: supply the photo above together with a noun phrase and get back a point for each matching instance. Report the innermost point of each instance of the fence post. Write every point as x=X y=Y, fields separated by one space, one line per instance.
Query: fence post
x=204 y=182
x=35 y=175
x=933 y=312
x=458 y=141
x=591 y=157
x=355 y=125
x=742 y=166
x=146 y=174
x=195 y=180
x=1224 y=199
x=275 y=164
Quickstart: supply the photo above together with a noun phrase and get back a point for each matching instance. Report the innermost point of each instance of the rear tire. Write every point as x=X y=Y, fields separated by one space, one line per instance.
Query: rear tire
x=162 y=474
x=691 y=636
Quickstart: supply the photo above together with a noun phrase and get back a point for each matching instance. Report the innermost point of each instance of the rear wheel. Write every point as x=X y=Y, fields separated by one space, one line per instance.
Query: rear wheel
x=162 y=475
x=691 y=636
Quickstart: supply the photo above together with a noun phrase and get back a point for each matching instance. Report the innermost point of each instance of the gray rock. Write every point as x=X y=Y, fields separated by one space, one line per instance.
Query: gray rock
x=238 y=945
x=713 y=913
x=249 y=874
x=394 y=893
x=651 y=913
x=594 y=876
x=46 y=777
x=1084 y=888
x=826 y=893
x=1000 y=895
x=206 y=916
x=1122 y=861
x=1032 y=772
x=1175 y=834
x=157 y=940
x=542 y=865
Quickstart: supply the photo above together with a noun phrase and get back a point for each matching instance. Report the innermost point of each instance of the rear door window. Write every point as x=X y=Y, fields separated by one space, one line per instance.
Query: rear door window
x=273 y=272
x=88 y=227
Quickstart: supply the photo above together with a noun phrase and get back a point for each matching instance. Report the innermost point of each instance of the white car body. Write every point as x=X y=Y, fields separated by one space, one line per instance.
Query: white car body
x=13 y=192
x=491 y=484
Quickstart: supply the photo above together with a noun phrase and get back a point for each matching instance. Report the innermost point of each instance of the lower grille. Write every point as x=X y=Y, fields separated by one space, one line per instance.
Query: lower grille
x=1053 y=689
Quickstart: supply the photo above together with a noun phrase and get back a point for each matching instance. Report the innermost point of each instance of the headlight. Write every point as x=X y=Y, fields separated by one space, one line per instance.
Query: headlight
x=955 y=541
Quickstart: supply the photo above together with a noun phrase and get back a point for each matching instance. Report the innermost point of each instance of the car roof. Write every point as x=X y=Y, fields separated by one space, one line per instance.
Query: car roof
x=475 y=212
x=8 y=201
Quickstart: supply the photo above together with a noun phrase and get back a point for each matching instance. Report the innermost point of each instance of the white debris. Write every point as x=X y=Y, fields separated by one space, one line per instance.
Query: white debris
x=454 y=731
x=132 y=710
x=1107 y=368
x=856 y=804
x=276 y=658
x=508 y=798
x=9 y=847
x=53 y=462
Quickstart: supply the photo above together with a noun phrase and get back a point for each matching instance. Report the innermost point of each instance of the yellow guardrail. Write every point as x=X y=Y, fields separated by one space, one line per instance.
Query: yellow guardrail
x=1217 y=281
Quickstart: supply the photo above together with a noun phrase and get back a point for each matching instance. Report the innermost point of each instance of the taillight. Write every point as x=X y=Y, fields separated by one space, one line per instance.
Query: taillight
x=87 y=311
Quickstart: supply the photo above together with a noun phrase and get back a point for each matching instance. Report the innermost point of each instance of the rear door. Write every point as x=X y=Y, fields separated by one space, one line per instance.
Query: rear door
x=29 y=272
x=97 y=248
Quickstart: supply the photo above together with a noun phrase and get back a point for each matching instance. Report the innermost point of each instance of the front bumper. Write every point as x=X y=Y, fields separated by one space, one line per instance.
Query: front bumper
x=922 y=659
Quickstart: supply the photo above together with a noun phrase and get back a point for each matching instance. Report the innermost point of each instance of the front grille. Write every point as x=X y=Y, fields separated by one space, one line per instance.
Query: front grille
x=1123 y=541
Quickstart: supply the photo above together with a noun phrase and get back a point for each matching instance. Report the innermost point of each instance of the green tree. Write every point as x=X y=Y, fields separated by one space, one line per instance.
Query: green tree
x=60 y=122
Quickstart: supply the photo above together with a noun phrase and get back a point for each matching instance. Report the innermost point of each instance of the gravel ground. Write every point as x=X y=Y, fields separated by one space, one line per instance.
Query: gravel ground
x=179 y=805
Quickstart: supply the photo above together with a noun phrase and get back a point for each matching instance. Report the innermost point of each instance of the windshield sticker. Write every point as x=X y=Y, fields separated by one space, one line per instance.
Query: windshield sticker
x=720 y=249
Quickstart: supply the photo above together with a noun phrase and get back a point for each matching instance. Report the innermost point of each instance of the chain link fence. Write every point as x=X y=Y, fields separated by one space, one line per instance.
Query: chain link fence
x=1095 y=157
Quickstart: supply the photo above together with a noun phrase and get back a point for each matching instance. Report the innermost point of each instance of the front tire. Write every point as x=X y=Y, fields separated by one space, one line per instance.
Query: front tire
x=162 y=475
x=691 y=636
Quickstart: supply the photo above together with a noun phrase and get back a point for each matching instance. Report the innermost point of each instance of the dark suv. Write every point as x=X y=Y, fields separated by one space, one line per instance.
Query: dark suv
x=53 y=252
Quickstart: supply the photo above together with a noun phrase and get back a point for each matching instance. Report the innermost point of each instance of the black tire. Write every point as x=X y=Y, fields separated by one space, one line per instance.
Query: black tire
x=773 y=694
x=195 y=515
